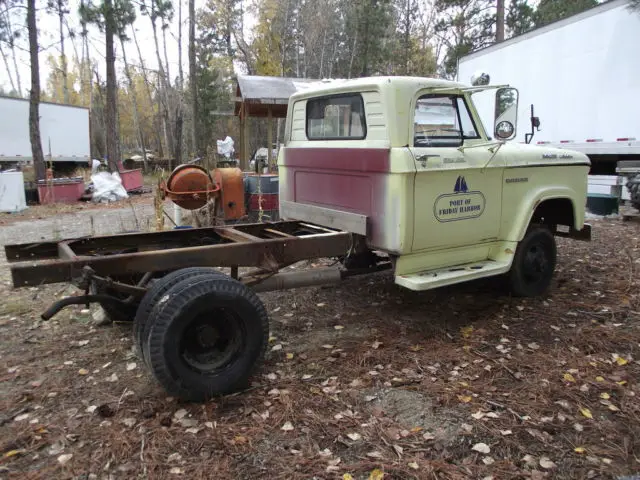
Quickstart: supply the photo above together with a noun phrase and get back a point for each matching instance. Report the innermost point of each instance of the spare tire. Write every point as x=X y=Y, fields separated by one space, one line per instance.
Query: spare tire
x=207 y=337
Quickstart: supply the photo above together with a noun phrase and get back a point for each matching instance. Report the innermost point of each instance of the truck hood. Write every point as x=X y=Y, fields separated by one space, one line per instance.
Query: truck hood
x=534 y=154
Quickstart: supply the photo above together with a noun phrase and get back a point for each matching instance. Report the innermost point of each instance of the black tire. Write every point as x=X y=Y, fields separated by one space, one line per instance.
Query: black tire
x=236 y=322
x=155 y=293
x=533 y=264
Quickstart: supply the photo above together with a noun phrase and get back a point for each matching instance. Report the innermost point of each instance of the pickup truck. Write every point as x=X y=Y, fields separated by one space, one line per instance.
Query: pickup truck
x=399 y=166
x=406 y=165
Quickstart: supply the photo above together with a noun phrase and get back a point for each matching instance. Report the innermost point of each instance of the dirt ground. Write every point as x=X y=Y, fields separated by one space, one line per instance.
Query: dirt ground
x=362 y=381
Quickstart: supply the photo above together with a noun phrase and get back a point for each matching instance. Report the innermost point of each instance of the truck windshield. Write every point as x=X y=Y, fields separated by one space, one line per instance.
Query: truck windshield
x=442 y=121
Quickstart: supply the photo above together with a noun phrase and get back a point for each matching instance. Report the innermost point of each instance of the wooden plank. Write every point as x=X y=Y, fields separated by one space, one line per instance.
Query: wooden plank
x=237 y=235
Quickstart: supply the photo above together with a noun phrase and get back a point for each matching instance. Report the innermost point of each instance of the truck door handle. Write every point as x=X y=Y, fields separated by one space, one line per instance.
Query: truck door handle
x=424 y=158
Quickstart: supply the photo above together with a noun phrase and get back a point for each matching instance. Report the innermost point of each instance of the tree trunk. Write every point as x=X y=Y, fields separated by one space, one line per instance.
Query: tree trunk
x=166 y=58
x=163 y=93
x=63 y=57
x=134 y=101
x=500 y=22
x=6 y=64
x=192 y=79
x=148 y=88
x=180 y=72
x=34 y=94
x=113 y=146
x=13 y=53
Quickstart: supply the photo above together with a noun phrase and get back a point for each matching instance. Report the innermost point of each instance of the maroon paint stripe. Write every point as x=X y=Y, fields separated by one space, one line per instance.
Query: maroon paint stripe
x=348 y=159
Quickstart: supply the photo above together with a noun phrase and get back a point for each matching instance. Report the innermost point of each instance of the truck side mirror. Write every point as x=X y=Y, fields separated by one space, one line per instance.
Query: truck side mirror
x=506 y=113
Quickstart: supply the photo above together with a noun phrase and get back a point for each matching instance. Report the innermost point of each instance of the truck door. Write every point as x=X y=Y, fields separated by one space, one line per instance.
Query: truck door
x=458 y=192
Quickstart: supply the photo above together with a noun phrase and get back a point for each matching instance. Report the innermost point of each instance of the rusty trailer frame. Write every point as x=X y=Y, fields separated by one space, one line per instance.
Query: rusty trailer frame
x=266 y=246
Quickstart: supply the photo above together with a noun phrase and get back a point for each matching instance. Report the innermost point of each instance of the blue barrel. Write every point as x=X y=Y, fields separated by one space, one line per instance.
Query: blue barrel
x=268 y=183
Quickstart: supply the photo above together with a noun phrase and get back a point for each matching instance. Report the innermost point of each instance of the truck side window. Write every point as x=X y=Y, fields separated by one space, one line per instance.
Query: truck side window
x=337 y=117
x=438 y=120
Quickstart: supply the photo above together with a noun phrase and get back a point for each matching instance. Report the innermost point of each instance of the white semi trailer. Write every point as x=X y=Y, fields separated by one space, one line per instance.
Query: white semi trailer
x=64 y=131
x=580 y=76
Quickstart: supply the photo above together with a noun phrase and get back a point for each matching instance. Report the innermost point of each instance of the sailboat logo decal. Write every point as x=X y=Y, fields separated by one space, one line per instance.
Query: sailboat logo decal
x=462 y=204
x=461 y=185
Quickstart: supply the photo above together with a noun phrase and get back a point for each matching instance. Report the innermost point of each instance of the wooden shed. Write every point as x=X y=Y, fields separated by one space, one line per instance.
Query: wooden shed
x=265 y=97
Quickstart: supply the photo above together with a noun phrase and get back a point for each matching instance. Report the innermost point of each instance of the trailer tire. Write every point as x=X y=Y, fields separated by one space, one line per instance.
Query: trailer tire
x=155 y=293
x=533 y=264
x=207 y=338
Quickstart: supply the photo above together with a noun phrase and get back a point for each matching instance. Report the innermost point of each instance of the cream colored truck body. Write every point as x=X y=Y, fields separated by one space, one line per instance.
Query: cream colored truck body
x=444 y=214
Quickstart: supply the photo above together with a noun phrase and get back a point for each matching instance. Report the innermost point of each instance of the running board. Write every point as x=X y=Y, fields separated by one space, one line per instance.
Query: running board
x=450 y=275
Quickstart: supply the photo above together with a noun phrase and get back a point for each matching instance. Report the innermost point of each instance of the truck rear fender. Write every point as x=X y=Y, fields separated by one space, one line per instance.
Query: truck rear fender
x=551 y=206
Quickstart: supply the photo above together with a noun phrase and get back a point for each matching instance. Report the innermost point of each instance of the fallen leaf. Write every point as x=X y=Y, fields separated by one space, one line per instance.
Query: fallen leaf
x=413 y=465
x=347 y=476
x=287 y=427
x=599 y=379
x=306 y=377
x=415 y=348
x=376 y=345
x=91 y=408
x=533 y=346
x=174 y=457
x=354 y=436
x=429 y=436
x=320 y=304
x=83 y=371
x=289 y=356
x=82 y=343
x=22 y=417
x=176 y=471
x=466 y=331
x=376 y=474
x=63 y=459
x=131 y=366
x=478 y=415
x=613 y=408
x=546 y=463
x=577 y=427
x=605 y=396
x=129 y=422
x=568 y=377
x=13 y=453
x=606 y=461
x=399 y=450
x=276 y=348
x=464 y=398
x=481 y=447
x=375 y=454
x=579 y=450
x=586 y=412
x=113 y=378
x=339 y=327
x=488 y=460
x=622 y=383
x=506 y=432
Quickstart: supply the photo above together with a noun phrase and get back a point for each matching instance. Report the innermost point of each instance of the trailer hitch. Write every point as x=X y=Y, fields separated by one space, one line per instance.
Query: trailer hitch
x=55 y=308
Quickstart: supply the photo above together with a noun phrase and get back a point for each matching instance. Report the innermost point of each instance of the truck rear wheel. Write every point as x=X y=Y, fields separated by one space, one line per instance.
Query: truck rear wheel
x=533 y=263
x=207 y=337
x=155 y=293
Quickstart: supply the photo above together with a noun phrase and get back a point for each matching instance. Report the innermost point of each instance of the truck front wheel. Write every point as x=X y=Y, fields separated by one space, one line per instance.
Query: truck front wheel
x=533 y=264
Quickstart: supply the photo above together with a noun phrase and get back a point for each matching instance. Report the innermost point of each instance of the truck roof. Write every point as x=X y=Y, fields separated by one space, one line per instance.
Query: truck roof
x=326 y=87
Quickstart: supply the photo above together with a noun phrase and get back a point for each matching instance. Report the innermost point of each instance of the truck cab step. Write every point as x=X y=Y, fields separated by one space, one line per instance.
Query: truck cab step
x=450 y=275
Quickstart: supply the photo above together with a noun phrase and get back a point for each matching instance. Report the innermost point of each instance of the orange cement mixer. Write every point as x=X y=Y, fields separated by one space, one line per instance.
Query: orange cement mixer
x=191 y=187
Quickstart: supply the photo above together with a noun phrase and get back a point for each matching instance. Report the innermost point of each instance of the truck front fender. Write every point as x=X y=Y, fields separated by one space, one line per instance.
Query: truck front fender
x=515 y=227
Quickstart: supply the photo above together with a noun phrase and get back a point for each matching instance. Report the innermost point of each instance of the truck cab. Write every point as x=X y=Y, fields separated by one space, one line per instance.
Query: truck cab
x=406 y=165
